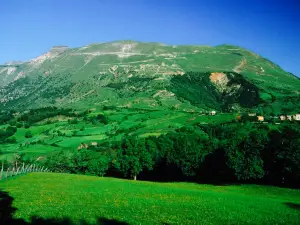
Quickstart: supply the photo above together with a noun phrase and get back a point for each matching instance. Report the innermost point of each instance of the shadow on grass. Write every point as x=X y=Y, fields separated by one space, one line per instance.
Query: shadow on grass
x=293 y=205
x=7 y=211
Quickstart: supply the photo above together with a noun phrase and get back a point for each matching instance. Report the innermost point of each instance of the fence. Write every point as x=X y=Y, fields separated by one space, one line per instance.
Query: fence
x=14 y=171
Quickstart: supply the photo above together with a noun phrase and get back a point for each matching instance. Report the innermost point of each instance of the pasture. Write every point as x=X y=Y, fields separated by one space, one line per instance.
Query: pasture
x=79 y=197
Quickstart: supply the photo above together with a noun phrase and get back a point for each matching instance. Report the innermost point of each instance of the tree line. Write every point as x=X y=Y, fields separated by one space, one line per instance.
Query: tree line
x=216 y=153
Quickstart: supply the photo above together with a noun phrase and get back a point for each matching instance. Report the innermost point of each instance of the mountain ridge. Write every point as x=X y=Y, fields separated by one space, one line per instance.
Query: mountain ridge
x=103 y=73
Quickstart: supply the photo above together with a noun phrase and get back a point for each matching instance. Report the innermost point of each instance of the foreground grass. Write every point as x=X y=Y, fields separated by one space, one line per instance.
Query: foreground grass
x=77 y=197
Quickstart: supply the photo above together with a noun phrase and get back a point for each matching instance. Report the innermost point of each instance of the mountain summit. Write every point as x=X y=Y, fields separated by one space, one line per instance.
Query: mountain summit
x=149 y=75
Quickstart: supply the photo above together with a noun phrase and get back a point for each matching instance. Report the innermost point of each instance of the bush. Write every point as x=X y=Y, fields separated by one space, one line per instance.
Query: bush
x=8 y=132
x=101 y=118
x=28 y=134
x=11 y=140
x=73 y=121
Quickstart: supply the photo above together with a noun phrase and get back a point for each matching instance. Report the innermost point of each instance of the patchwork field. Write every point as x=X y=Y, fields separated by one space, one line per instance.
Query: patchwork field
x=54 y=134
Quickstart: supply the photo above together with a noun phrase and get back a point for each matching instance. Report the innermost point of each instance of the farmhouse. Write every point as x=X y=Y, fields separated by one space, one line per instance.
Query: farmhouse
x=282 y=117
x=296 y=117
x=212 y=113
x=260 y=118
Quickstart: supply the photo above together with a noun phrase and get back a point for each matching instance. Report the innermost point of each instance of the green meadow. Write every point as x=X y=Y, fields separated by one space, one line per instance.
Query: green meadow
x=80 y=197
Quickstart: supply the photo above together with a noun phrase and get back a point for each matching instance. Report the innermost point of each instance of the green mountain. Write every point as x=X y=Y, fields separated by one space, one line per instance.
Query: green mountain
x=150 y=76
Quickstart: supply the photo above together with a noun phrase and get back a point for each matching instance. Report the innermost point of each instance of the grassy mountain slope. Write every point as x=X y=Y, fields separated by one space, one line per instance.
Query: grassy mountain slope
x=149 y=75
x=78 y=197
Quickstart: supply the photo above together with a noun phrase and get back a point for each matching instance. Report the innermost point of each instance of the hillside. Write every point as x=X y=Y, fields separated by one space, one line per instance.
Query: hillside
x=50 y=198
x=150 y=76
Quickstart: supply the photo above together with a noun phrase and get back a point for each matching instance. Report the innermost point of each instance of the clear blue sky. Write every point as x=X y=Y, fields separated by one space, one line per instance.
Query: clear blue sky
x=268 y=27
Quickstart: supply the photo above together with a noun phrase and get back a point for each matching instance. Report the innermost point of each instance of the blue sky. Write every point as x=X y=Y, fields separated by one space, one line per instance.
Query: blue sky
x=270 y=28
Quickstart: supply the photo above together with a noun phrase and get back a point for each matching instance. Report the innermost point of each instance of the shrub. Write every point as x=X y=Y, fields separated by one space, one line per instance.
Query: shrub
x=11 y=140
x=28 y=134
x=73 y=121
x=101 y=118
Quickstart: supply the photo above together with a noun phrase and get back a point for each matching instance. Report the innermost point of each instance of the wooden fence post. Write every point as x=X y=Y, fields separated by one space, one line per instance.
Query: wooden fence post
x=27 y=169
x=13 y=170
x=1 y=171
x=22 y=171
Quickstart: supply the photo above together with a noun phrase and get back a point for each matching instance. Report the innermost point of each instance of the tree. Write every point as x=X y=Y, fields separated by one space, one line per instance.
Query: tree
x=244 y=155
x=282 y=155
x=90 y=162
x=98 y=166
x=28 y=134
x=189 y=150
x=101 y=118
x=133 y=157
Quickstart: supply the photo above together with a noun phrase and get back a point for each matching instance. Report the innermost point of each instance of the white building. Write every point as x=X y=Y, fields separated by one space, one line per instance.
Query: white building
x=282 y=117
x=212 y=113
x=297 y=117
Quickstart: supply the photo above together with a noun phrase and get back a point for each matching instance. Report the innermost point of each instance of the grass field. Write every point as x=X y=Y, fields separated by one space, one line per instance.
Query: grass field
x=78 y=197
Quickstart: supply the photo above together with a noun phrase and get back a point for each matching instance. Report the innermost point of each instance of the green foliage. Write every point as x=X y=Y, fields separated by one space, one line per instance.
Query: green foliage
x=73 y=121
x=201 y=92
x=83 y=161
x=244 y=155
x=133 y=157
x=102 y=119
x=28 y=134
x=282 y=155
x=5 y=134
x=6 y=116
x=11 y=140
x=87 y=162
x=188 y=150
x=36 y=115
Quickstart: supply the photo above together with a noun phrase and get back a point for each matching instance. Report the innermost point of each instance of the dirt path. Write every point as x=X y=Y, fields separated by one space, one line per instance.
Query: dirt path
x=239 y=67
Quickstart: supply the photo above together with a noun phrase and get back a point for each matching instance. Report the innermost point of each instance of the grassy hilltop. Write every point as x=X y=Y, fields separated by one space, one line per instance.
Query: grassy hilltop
x=78 y=197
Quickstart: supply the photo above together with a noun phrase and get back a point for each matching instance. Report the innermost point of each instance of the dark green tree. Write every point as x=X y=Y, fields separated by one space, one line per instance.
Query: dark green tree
x=244 y=155
x=28 y=134
x=282 y=155
x=133 y=157
x=189 y=151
